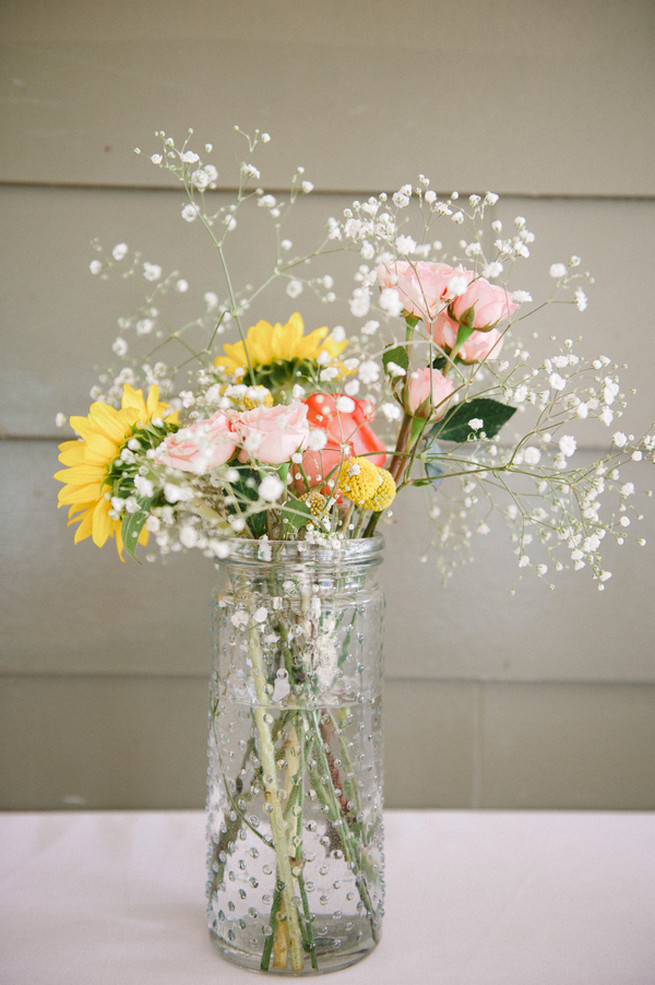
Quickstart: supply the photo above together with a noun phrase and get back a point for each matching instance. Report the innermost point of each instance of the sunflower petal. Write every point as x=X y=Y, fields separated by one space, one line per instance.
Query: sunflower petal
x=85 y=528
x=78 y=475
x=79 y=495
x=101 y=524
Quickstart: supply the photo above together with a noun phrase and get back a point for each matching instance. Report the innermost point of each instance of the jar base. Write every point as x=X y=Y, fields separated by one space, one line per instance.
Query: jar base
x=328 y=958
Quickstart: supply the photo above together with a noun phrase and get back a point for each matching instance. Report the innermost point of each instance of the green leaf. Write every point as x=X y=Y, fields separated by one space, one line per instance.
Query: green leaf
x=455 y=425
x=295 y=513
x=397 y=355
x=246 y=488
x=132 y=526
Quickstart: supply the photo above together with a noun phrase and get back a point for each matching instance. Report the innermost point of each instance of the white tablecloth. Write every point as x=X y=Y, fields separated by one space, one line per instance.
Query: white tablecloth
x=473 y=898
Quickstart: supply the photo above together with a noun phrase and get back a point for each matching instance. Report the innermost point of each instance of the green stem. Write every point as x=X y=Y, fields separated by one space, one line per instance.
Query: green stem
x=335 y=813
x=278 y=824
x=270 y=940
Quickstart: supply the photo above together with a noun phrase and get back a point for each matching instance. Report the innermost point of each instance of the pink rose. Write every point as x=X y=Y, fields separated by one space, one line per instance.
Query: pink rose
x=422 y=287
x=479 y=346
x=490 y=303
x=482 y=306
x=428 y=391
x=200 y=447
x=272 y=434
x=346 y=432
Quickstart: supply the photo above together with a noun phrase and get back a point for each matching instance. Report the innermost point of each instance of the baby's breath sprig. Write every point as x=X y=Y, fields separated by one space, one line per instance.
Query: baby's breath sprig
x=434 y=351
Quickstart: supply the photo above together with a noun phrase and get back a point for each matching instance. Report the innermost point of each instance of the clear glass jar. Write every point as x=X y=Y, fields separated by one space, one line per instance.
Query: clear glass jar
x=294 y=808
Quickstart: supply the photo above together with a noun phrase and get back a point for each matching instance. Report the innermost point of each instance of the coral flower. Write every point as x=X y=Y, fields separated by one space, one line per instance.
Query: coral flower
x=267 y=345
x=104 y=433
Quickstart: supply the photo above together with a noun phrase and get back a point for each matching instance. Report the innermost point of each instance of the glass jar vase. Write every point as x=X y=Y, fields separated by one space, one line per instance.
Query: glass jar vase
x=294 y=807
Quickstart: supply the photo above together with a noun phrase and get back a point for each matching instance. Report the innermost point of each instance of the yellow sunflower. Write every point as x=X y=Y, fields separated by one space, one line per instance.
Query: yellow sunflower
x=104 y=432
x=269 y=345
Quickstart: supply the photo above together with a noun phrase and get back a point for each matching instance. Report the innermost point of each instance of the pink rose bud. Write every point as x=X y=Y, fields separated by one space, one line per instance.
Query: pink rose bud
x=428 y=394
x=483 y=305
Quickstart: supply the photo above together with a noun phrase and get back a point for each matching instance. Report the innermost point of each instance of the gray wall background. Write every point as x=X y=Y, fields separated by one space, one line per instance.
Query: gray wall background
x=545 y=700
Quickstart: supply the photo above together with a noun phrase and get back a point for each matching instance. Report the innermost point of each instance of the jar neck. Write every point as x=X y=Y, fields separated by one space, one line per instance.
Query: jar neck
x=360 y=553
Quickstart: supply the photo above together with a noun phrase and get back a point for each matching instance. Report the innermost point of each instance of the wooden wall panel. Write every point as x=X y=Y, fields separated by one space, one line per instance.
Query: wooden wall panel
x=77 y=610
x=59 y=321
x=103 y=685
x=521 y=96
x=125 y=742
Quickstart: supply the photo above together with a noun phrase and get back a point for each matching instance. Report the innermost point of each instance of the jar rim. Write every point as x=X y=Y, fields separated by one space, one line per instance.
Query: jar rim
x=356 y=551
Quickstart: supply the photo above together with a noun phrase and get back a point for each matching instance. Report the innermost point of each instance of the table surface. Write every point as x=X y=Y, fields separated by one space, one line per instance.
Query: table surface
x=473 y=898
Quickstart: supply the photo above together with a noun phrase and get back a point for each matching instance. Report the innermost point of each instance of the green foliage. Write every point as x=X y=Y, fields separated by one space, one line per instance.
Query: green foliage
x=295 y=513
x=455 y=425
x=397 y=355
x=132 y=525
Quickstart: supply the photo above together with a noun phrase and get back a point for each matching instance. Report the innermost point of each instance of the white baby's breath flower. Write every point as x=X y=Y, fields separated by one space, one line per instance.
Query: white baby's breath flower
x=250 y=171
x=406 y=244
x=151 y=271
x=240 y=619
x=557 y=270
x=390 y=301
x=369 y=372
x=493 y=269
x=345 y=405
x=360 y=302
x=119 y=252
x=391 y=412
x=456 y=285
x=317 y=439
x=567 y=445
x=531 y=455
x=271 y=488
x=190 y=211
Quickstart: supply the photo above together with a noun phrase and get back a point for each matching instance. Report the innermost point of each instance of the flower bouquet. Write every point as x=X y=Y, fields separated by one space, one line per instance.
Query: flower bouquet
x=279 y=455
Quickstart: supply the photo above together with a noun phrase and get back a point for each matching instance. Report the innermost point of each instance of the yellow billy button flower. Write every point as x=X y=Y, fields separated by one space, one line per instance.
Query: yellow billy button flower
x=385 y=493
x=315 y=501
x=104 y=434
x=358 y=479
x=269 y=345
x=257 y=396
